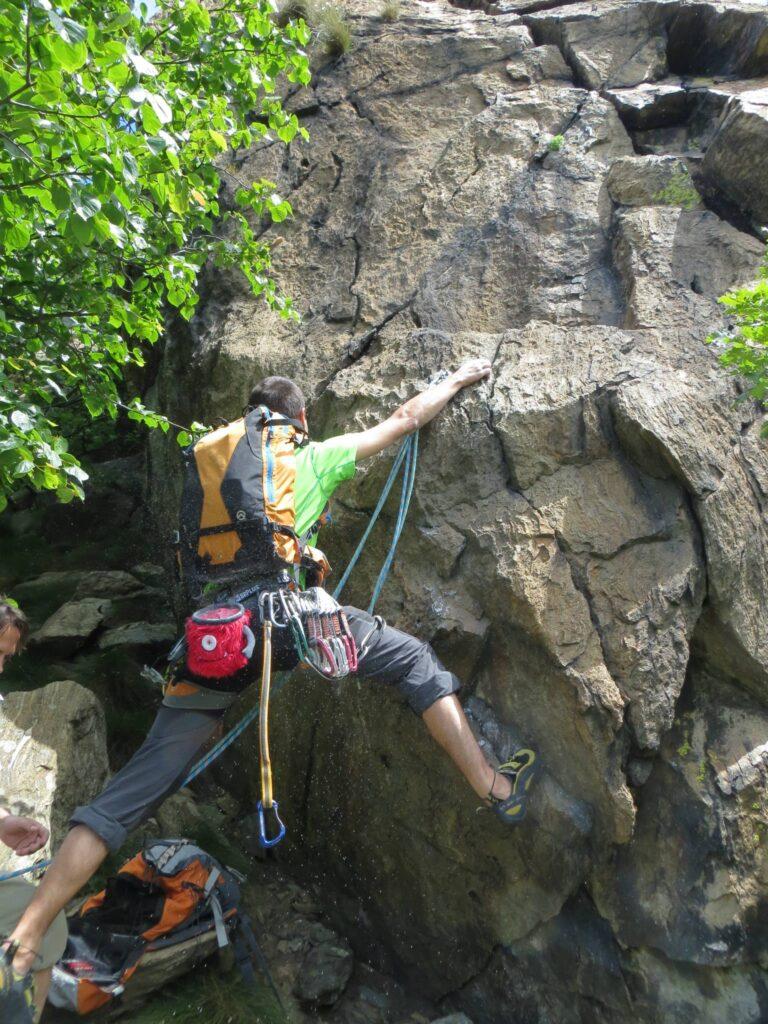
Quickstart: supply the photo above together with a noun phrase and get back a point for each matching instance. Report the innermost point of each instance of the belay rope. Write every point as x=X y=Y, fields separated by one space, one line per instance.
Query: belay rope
x=406 y=460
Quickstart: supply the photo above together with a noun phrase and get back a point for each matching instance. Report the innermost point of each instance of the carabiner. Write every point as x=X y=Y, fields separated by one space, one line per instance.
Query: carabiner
x=264 y=841
x=268 y=600
x=349 y=643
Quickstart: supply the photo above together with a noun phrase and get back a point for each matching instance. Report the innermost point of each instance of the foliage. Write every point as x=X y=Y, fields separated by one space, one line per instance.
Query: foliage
x=215 y=998
x=115 y=133
x=390 y=10
x=745 y=346
x=679 y=191
x=292 y=10
x=333 y=32
x=555 y=143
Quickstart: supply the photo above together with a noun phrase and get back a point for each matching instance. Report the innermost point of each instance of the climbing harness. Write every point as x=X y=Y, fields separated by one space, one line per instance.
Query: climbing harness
x=406 y=460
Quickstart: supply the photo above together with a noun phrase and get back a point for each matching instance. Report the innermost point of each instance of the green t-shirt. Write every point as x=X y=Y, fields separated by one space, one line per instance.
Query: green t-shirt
x=320 y=467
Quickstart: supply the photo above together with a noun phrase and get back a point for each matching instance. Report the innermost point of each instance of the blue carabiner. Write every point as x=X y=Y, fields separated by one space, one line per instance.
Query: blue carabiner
x=264 y=841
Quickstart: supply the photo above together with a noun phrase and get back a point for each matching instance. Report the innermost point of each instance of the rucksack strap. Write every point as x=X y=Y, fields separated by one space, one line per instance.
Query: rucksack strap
x=247 y=950
x=267 y=418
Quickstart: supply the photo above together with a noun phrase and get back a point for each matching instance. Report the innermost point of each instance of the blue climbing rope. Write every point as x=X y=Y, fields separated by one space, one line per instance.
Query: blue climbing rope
x=409 y=445
x=23 y=871
x=407 y=456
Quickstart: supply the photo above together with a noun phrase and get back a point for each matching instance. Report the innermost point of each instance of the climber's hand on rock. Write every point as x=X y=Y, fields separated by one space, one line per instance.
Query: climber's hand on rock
x=23 y=835
x=471 y=372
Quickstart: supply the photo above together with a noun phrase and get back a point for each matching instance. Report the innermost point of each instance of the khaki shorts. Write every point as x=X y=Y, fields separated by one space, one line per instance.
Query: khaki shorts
x=15 y=895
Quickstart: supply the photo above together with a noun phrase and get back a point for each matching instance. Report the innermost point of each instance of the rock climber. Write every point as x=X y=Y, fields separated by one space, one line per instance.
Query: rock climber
x=22 y=996
x=191 y=714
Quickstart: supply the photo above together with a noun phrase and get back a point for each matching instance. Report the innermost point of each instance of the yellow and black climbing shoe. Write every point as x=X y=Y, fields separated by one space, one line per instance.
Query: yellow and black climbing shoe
x=17 y=996
x=521 y=770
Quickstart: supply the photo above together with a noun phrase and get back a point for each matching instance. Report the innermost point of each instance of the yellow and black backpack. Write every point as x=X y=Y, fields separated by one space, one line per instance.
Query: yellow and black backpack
x=237 y=521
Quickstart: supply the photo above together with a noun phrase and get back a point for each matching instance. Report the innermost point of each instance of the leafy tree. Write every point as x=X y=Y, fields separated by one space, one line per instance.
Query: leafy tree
x=746 y=345
x=115 y=132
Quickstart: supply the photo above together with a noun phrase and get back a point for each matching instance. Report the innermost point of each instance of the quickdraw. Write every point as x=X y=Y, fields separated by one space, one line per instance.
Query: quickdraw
x=319 y=628
x=267 y=805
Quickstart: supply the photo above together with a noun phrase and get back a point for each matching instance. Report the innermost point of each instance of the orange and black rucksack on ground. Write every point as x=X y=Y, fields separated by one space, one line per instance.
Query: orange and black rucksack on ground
x=237 y=521
x=168 y=908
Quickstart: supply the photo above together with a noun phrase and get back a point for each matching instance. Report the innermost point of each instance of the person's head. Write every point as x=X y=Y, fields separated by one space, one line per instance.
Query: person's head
x=280 y=395
x=14 y=630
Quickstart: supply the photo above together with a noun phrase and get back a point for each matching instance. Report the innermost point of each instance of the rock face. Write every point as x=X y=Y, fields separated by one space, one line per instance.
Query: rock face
x=53 y=757
x=587 y=543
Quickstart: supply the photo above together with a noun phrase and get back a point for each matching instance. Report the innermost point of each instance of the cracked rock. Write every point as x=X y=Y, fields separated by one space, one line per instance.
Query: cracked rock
x=587 y=544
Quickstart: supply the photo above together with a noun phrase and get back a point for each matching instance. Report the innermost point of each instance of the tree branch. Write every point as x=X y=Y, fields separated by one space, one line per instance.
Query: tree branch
x=43 y=177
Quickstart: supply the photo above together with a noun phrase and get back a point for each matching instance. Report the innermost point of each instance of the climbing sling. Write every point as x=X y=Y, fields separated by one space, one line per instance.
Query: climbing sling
x=267 y=804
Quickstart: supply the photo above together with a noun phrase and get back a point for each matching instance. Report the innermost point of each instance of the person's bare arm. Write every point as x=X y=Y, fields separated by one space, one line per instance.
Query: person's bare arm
x=417 y=411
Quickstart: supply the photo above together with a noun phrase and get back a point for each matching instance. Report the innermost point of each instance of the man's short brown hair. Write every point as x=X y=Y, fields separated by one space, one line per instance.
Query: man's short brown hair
x=280 y=395
x=12 y=617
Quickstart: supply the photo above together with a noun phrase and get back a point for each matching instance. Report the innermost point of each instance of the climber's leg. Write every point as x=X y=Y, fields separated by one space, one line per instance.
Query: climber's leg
x=448 y=726
x=391 y=656
x=155 y=771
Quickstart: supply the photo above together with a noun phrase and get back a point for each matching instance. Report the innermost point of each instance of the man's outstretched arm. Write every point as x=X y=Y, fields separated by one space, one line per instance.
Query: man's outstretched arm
x=418 y=411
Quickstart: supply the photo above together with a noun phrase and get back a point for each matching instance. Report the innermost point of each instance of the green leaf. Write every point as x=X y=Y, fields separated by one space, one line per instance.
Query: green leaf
x=71 y=56
x=142 y=65
x=60 y=195
x=16 y=236
x=21 y=420
x=149 y=119
x=124 y=215
x=14 y=151
x=86 y=206
x=78 y=229
x=77 y=472
x=69 y=30
x=160 y=107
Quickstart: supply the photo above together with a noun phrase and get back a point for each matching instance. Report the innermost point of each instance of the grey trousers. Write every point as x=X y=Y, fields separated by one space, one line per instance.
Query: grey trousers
x=178 y=734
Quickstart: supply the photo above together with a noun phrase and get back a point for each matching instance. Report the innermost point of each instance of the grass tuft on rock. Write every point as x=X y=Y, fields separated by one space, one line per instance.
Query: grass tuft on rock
x=333 y=32
x=214 y=997
x=390 y=10
x=293 y=10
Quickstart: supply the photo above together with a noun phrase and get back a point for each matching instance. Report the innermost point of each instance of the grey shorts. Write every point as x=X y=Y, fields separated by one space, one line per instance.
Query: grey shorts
x=178 y=734
x=15 y=895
